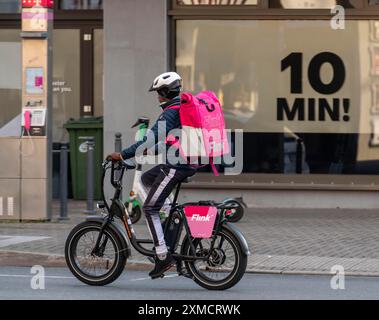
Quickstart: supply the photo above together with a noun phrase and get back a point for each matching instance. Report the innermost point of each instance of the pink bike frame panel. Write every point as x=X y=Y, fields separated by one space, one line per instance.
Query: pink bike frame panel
x=201 y=220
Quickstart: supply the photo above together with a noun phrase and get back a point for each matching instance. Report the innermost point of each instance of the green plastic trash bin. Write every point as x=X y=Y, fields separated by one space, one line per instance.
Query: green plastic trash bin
x=79 y=131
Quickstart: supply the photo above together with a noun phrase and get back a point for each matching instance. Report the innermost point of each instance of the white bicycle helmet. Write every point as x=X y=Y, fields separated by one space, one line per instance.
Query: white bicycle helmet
x=167 y=85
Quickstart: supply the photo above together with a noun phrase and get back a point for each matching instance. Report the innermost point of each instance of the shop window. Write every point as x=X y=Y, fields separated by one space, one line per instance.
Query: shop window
x=10 y=6
x=313 y=4
x=216 y=2
x=307 y=104
x=66 y=80
x=10 y=82
x=81 y=4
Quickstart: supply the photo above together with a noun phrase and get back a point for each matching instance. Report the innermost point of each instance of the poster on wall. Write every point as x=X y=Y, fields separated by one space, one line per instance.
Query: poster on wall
x=34 y=81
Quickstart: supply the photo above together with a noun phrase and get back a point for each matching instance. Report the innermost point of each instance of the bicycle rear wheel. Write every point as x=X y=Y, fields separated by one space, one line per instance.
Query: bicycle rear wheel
x=224 y=268
x=100 y=268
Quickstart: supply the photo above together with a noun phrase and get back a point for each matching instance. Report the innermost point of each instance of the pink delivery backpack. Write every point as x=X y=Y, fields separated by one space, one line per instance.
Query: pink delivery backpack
x=203 y=127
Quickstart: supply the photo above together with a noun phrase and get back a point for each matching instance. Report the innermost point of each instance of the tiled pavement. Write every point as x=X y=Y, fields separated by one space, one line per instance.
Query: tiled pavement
x=281 y=241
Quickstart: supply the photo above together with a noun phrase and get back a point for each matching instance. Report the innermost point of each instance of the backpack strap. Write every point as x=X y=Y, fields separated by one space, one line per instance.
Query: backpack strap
x=214 y=169
x=177 y=107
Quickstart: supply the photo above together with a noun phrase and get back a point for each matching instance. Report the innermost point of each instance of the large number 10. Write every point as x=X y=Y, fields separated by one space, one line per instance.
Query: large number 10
x=295 y=61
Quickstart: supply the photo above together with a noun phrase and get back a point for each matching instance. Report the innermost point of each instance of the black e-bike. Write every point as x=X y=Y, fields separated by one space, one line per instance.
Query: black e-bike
x=97 y=249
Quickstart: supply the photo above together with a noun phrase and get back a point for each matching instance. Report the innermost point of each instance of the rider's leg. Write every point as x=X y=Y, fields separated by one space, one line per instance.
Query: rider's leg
x=148 y=177
x=163 y=185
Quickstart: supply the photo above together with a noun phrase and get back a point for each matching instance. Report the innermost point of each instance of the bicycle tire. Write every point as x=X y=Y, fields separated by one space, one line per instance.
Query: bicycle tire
x=73 y=239
x=230 y=281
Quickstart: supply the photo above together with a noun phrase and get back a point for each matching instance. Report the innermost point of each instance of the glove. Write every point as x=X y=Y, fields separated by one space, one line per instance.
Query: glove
x=115 y=156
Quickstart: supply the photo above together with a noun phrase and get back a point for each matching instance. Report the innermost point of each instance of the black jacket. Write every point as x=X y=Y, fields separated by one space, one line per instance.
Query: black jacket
x=171 y=116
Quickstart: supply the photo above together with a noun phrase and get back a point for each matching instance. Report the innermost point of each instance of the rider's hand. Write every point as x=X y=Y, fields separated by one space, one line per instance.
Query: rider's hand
x=115 y=156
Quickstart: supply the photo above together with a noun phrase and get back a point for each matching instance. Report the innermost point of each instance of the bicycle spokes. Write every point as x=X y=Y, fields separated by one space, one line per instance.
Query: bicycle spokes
x=92 y=261
x=221 y=259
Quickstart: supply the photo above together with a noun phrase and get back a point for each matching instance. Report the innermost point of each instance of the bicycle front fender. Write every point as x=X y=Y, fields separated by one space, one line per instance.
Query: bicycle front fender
x=240 y=238
x=116 y=228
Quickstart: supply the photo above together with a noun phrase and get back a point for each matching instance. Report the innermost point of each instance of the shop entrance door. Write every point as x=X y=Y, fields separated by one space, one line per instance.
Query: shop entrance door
x=77 y=83
x=77 y=78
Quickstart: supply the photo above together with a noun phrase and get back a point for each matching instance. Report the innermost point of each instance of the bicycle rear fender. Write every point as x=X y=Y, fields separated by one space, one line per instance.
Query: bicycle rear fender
x=116 y=228
x=238 y=199
x=237 y=233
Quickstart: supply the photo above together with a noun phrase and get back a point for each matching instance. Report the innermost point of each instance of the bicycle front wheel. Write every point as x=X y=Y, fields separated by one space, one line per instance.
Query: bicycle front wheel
x=225 y=266
x=94 y=268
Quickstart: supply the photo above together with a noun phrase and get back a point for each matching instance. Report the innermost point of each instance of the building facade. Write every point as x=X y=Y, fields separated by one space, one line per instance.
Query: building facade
x=301 y=78
x=297 y=77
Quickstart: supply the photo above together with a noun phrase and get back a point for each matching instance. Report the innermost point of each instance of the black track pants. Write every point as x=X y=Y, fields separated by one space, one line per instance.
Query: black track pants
x=161 y=180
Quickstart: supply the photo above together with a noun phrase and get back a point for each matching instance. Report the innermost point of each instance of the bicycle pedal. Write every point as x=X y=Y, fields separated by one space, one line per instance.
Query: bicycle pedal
x=158 y=277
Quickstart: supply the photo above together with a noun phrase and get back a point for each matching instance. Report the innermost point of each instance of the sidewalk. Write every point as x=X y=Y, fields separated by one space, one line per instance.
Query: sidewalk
x=281 y=241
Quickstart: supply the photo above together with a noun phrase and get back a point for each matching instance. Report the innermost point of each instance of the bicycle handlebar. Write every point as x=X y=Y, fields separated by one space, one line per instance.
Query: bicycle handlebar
x=128 y=163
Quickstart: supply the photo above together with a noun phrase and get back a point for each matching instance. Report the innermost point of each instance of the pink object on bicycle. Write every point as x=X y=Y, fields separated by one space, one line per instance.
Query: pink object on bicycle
x=203 y=123
x=201 y=220
x=203 y=127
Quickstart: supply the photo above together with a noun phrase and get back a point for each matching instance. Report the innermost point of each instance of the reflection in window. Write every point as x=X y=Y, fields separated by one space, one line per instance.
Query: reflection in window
x=311 y=4
x=81 y=4
x=248 y=79
x=216 y=2
x=10 y=6
x=10 y=82
x=66 y=80
x=98 y=66
x=373 y=2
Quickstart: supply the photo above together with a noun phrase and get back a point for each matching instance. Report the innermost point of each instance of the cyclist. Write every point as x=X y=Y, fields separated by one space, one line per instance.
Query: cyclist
x=163 y=178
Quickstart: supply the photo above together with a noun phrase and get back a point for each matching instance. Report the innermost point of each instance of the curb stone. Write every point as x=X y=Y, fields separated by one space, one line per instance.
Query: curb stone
x=27 y=259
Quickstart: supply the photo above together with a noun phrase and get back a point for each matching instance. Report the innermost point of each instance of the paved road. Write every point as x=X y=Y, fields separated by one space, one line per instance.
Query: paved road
x=15 y=283
x=281 y=240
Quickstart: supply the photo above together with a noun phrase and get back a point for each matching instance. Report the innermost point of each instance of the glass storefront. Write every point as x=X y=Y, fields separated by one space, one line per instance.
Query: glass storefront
x=68 y=77
x=216 y=2
x=14 y=6
x=305 y=94
x=77 y=65
x=10 y=6
x=66 y=80
x=98 y=66
x=311 y=4
x=283 y=4
x=10 y=82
